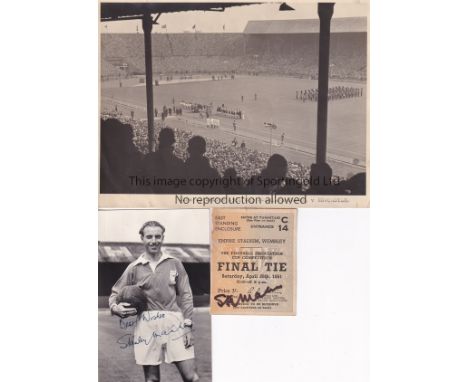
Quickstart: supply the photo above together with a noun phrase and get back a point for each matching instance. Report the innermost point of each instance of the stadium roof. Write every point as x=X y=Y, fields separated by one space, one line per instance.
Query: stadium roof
x=113 y=252
x=122 y=11
x=338 y=25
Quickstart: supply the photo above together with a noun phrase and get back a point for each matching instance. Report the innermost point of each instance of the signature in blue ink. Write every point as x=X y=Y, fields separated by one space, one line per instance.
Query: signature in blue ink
x=128 y=340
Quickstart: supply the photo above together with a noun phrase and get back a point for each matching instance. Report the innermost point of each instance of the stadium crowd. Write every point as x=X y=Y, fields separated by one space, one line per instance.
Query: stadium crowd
x=223 y=55
x=187 y=163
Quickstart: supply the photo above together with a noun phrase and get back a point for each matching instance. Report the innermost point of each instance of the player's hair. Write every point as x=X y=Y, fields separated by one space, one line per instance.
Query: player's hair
x=151 y=223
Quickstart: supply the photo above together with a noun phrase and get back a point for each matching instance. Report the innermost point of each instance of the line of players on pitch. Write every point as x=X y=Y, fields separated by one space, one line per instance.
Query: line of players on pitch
x=334 y=93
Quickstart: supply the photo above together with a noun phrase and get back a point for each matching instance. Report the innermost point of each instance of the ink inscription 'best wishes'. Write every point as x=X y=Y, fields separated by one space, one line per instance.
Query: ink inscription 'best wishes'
x=231 y=300
x=126 y=323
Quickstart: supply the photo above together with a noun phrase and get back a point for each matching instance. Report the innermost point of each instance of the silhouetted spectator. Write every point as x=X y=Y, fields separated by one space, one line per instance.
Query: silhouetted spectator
x=202 y=178
x=321 y=180
x=271 y=179
x=164 y=168
x=242 y=163
x=356 y=185
x=232 y=183
x=119 y=157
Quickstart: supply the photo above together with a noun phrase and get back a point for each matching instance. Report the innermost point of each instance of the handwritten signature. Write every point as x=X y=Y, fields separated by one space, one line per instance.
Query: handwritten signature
x=126 y=323
x=230 y=300
x=129 y=339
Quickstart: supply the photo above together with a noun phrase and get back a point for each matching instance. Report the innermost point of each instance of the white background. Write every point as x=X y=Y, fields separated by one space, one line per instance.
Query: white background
x=418 y=229
x=328 y=338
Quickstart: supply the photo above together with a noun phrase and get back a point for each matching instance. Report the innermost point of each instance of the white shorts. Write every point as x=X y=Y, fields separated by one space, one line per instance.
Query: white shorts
x=159 y=337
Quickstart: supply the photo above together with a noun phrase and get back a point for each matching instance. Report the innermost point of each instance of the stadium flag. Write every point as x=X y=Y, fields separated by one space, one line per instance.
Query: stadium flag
x=224 y=27
x=194 y=25
x=270 y=125
x=164 y=26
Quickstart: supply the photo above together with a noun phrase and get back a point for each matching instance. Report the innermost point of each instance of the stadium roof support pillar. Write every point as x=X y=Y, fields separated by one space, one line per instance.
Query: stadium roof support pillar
x=325 y=12
x=147 y=27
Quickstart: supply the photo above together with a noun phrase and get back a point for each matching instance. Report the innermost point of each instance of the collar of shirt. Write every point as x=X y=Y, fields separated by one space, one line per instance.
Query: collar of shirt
x=143 y=259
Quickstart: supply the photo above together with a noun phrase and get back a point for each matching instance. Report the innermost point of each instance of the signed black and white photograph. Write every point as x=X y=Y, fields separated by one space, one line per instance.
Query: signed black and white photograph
x=154 y=285
x=234 y=98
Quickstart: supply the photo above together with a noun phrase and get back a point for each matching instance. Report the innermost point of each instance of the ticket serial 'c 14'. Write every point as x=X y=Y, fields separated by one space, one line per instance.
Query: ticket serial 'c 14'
x=253 y=261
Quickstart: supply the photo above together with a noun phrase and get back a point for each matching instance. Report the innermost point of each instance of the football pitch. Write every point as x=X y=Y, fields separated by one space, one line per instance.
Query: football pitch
x=275 y=103
x=118 y=365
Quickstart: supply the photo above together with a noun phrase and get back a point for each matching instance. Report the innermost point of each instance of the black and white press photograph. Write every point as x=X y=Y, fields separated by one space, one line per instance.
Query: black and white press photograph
x=153 y=295
x=234 y=98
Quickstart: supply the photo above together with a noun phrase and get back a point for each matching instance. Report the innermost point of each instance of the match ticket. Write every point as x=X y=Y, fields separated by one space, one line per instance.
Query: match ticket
x=253 y=261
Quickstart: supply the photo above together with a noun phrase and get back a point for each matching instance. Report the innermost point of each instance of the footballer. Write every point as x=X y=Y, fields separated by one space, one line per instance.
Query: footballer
x=164 y=329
